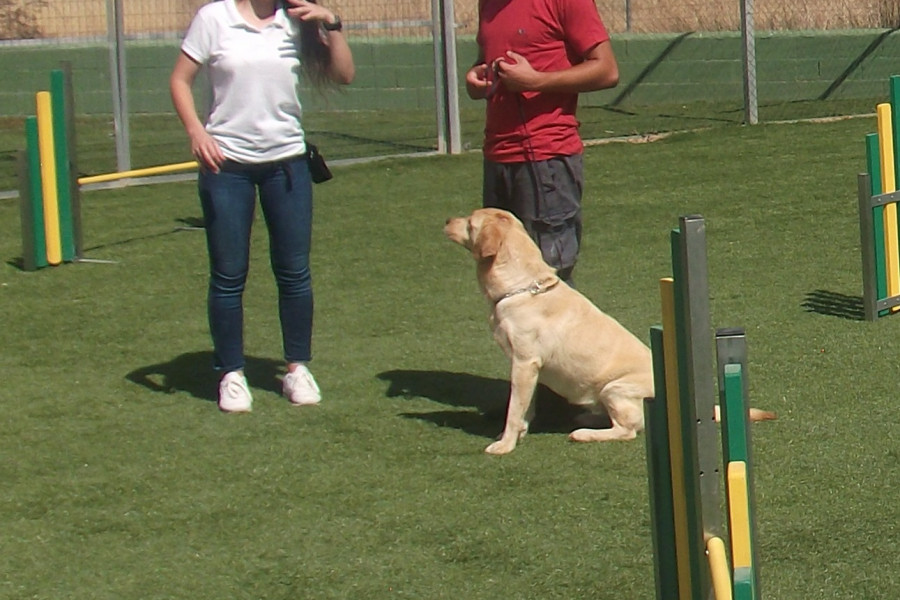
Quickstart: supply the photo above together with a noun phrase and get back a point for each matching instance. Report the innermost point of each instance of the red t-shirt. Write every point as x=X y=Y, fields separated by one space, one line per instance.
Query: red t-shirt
x=552 y=35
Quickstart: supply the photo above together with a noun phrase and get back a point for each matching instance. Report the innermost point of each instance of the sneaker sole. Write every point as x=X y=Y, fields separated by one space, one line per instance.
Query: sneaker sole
x=235 y=410
x=305 y=403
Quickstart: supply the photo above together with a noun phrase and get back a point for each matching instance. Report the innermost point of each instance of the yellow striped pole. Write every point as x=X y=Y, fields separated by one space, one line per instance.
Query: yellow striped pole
x=739 y=515
x=48 y=178
x=740 y=530
x=888 y=184
x=160 y=170
x=679 y=496
x=718 y=568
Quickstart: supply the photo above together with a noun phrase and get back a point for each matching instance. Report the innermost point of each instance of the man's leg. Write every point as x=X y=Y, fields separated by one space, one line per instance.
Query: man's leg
x=546 y=197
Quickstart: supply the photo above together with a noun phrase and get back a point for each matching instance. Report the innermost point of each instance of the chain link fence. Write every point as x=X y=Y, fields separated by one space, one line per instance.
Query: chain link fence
x=682 y=65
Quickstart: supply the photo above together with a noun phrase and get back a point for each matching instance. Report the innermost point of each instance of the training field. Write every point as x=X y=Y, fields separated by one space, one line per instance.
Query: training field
x=122 y=480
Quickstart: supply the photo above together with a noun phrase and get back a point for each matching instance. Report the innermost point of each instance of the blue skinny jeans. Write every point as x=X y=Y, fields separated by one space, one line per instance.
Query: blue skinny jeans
x=228 y=199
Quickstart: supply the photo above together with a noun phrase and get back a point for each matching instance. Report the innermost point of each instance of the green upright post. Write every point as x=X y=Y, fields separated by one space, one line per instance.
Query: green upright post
x=743 y=586
x=26 y=213
x=873 y=164
x=61 y=150
x=36 y=193
x=867 y=246
x=688 y=325
x=895 y=128
x=72 y=151
x=734 y=404
x=659 y=468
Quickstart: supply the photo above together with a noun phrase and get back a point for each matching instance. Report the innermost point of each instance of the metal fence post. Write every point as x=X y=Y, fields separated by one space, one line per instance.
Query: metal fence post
x=748 y=39
x=118 y=82
x=446 y=80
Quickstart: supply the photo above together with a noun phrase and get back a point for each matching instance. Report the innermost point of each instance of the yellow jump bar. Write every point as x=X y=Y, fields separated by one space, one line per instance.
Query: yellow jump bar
x=161 y=170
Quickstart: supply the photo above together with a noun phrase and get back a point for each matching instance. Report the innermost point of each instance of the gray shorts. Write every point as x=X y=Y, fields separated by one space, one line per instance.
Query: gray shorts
x=546 y=196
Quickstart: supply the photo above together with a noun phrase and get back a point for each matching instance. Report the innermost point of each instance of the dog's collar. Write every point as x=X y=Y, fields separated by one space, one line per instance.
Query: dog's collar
x=536 y=287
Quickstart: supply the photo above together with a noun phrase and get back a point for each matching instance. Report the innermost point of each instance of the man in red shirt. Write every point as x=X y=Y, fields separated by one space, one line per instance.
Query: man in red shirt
x=535 y=57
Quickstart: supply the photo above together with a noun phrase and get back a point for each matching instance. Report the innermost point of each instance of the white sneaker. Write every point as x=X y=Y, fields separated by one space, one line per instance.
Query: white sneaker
x=300 y=388
x=234 y=395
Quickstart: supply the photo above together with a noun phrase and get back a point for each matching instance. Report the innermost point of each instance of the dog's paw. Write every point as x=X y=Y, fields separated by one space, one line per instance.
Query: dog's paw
x=615 y=433
x=501 y=447
x=581 y=435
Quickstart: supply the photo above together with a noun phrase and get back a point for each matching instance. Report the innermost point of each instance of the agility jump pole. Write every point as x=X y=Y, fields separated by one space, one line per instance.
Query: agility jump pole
x=878 y=214
x=690 y=556
x=145 y=172
x=48 y=195
x=49 y=189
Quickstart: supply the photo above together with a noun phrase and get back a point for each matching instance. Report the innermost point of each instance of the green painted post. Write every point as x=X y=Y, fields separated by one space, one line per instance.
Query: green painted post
x=700 y=580
x=873 y=164
x=734 y=418
x=743 y=585
x=26 y=213
x=734 y=404
x=895 y=125
x=61 y=150
x=72 y=143
x=867 y=246
x=659 y=468
x=36 y=193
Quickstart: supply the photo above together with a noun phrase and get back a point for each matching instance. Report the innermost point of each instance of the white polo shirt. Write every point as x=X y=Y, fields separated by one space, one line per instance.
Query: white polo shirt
x=254 y=74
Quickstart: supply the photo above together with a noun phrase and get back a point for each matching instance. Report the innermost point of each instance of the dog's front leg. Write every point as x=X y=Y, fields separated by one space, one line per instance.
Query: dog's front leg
x=522 y=383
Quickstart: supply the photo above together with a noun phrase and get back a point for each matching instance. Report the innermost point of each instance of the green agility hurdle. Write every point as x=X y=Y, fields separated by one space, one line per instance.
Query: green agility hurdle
x=49 y=199
x=49 y=187
x=690 y=557
x=878 y=221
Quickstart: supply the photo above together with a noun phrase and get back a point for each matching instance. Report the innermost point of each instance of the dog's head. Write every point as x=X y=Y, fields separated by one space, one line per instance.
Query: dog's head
x=483 y=232
x=506 y=257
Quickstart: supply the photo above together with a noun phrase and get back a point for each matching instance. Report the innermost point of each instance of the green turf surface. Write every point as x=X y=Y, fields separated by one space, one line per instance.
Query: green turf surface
x=122 y=480
x=159 y=139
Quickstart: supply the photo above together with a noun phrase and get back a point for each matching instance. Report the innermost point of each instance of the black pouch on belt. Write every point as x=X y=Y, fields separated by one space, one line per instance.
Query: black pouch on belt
x=318 y=170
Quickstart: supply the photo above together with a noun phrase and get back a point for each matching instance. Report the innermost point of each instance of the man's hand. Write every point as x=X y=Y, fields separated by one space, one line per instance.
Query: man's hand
x=516 y=73
x=478 y=82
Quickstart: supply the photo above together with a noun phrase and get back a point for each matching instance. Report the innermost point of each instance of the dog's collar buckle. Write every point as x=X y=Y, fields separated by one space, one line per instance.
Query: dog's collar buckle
x=536 y=287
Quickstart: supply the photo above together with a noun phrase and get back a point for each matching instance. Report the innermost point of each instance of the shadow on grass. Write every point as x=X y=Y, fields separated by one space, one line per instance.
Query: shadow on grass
x=192 y=373
x=488 y=397
x=834 y=304
x=185 y=224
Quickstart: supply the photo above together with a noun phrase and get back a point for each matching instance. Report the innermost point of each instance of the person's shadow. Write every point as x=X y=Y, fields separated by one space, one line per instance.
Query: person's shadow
x=488 y=397
x=192 y=373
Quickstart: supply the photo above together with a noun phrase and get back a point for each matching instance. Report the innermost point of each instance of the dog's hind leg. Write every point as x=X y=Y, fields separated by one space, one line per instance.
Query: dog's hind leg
x=522 y=384
x=615 y=433
x=625 y=406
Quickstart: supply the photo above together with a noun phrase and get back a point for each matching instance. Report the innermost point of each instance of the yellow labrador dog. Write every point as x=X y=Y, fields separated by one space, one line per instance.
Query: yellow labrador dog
x=553 y=335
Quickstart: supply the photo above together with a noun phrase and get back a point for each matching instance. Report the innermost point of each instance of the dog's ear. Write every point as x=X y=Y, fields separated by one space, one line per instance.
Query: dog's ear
x=489 y=240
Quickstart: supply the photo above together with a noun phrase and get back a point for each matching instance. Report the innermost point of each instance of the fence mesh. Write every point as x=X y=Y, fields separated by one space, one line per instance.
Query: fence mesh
x=680 y=60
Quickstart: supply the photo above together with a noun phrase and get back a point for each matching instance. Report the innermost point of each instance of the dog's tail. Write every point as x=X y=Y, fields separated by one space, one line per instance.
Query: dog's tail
x=756 y=414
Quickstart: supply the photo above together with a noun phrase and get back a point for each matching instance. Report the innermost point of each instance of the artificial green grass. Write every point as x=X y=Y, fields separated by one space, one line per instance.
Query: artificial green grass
x=159 y=139
x=122 y=480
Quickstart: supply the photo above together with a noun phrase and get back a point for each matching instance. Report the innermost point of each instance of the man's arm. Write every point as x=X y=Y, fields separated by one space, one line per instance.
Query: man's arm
x=598 y=71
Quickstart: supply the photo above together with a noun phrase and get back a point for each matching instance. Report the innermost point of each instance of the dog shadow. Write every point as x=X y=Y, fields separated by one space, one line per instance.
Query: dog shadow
x=192 y=373
x=488 y=397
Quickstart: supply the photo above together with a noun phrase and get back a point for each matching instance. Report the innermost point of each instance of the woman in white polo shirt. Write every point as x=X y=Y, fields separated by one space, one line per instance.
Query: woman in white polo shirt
x=253 y=142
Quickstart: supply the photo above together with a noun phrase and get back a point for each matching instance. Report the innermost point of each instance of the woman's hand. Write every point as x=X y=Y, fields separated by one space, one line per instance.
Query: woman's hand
x=309 y=11
x=206 y=150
